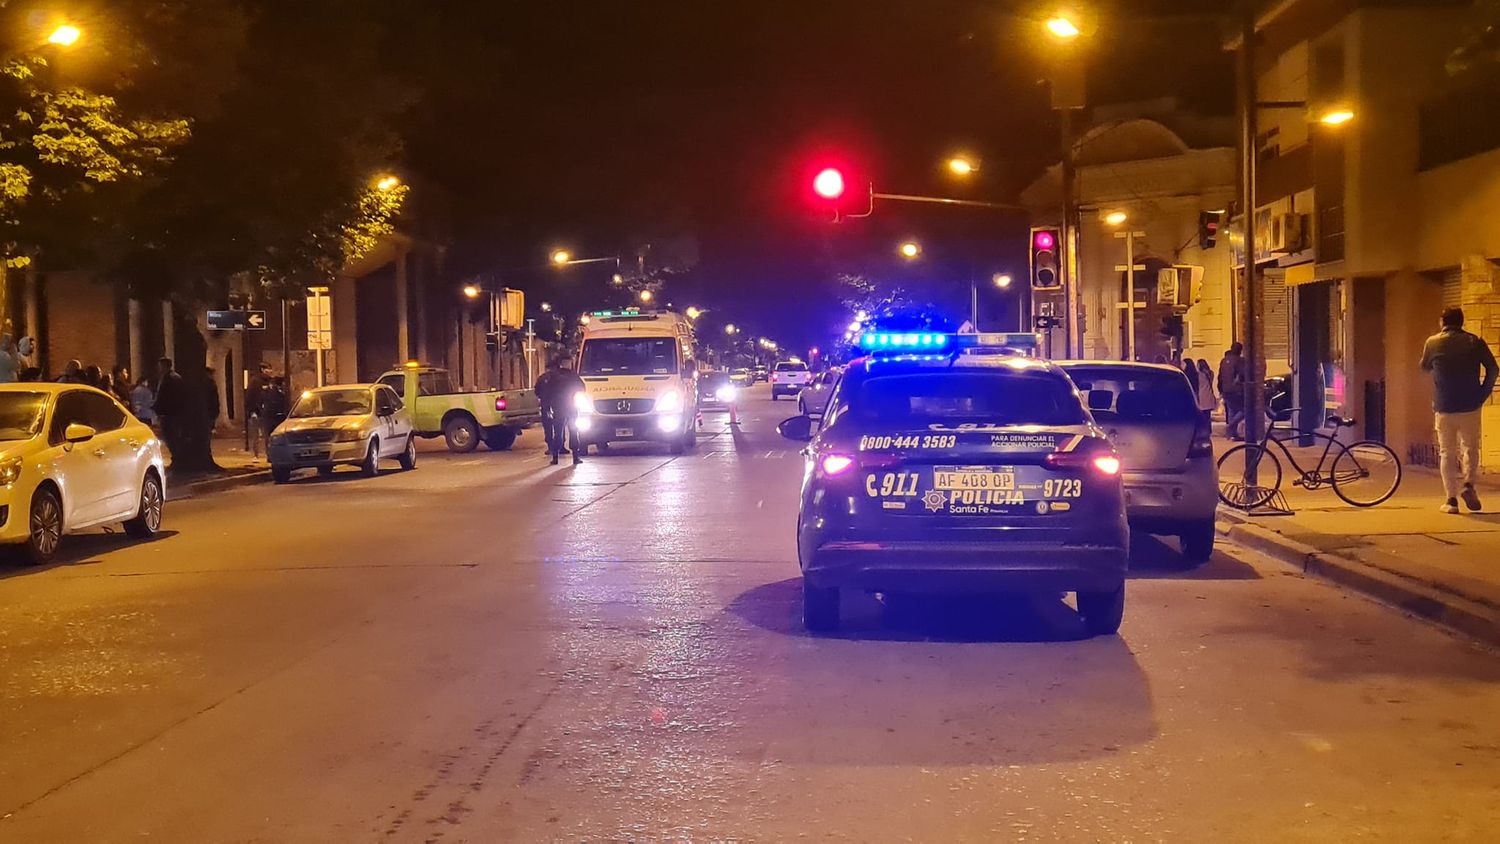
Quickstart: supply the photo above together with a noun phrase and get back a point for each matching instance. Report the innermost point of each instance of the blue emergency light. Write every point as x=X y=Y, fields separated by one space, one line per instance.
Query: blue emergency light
x=890 y=342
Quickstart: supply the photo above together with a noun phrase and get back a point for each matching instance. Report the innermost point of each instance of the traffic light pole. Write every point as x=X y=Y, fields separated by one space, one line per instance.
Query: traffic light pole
x=1066 y=246
x=1254 y=356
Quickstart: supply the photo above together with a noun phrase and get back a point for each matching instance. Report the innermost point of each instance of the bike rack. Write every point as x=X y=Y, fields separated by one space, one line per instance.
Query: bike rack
x=1276 y=505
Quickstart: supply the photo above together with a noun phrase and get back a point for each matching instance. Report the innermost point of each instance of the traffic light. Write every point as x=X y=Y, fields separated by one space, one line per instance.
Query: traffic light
x=829 y=184
x=1044 y=262
x=1208 y=228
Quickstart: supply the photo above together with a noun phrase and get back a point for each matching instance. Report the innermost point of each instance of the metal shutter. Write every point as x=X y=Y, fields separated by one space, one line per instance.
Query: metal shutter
x=1277 y=315
x=1453 y=287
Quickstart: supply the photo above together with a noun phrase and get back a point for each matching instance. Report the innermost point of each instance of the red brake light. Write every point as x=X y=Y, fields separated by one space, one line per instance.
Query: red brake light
x=1203 y=441
x=500 y=403
x=1108 y=464
x=836 y=464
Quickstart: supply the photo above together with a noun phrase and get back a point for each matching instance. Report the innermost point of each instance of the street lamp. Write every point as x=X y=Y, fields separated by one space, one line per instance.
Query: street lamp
x=585 y=319
x=1115 y=218
x=1336 y=117
x=387 y=183
x=561 y=257
x=1062 y=27
x=1003 y=280
x=472 y=291
x=617 y=279
x=731 y=329
x=961 y=166
x=65 y=35
x=646 y=296
x=693 y=313
x=546 y=307
x=910 y=249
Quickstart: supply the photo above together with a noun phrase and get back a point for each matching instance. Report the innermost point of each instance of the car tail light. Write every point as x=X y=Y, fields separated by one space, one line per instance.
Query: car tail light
x=500 y=403
x=1203 y=440
x=834 y=465
x=1092 y=454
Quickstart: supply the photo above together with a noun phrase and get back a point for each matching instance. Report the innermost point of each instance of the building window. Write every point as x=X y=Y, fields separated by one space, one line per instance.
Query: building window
x=1331 y=233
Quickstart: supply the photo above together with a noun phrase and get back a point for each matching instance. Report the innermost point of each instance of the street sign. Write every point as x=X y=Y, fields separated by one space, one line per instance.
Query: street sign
x=319 y=319
x=237 y=320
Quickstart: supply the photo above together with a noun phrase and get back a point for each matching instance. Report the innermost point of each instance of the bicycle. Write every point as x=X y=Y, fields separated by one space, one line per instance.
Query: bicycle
x=1363 y=474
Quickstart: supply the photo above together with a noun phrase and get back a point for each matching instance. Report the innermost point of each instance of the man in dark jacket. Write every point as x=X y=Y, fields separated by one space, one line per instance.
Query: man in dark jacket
x=1455 y=358
x=171 y=405
x=1232 y=388
x=556 y=390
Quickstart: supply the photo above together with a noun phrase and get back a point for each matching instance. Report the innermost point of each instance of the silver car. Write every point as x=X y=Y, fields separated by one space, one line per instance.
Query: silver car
x=349 y=425
x=1165 y=441
x=813 y=399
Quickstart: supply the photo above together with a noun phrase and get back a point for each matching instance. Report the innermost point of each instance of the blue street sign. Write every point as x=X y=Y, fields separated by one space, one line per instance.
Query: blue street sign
x=237 y=320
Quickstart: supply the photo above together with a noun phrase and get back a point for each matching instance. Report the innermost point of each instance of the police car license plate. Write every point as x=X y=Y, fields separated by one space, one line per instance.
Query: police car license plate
x=624 y=432
x=973 y=478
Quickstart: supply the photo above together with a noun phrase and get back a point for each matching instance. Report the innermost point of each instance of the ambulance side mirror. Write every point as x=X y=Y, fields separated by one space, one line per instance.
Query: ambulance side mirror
x=797 y=428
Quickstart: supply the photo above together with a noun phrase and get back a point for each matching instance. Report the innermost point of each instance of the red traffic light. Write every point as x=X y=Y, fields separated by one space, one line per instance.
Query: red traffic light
x=1043 y=240
x=829 y=183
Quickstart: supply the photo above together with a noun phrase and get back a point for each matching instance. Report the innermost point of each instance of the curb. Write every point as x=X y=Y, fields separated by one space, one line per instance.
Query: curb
x=1405 y=593
x=206 y=486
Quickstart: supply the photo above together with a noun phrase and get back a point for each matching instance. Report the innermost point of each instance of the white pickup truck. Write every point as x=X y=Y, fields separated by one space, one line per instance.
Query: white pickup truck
x=788 y=377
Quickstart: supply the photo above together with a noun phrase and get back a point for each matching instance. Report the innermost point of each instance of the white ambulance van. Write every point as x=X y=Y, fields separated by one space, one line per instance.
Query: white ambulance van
x=641 y=375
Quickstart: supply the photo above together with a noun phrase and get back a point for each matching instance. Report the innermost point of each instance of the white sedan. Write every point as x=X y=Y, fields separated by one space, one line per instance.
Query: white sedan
x=348 y=425
x=72 y=458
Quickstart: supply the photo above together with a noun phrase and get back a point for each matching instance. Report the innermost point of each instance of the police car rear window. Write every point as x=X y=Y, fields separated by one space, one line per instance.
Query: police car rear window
x=998 y=398
x=1136 y=395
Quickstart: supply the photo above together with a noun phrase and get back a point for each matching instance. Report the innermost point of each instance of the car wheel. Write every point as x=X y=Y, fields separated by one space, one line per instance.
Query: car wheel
x=462 y=434
x=1198 y=542
x=1102 y=611
x=499 y=439
x=408 y=458
x=44 y=534
x=282 y=474
x=370 y=467
x=147 y=519
x=820 y=607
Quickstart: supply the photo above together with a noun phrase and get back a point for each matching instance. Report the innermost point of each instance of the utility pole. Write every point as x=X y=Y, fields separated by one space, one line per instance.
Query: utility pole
x=1066 y=263
x=1251 y=296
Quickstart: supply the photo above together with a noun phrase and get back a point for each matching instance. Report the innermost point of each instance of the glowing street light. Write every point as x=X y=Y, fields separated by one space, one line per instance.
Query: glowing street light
x=960 y=166
x=731 y=329
x=472 y=291
x=561 y=256
x=1061 y=27
x=65 y=36
x=910 y=249
x=1336 y=117
x=617 y=279
x=1115 y=218
x=546 y=307
x=585 y=319
x=693 y=313
x=1003 y=280
x=387 y=183
x=646 y=295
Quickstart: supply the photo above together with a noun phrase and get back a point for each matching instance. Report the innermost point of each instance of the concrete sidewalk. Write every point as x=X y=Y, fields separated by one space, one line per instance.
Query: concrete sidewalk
x=240 y=468
x=1404 y=551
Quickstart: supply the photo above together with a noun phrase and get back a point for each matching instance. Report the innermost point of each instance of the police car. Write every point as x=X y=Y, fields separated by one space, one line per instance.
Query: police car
x=959 y=464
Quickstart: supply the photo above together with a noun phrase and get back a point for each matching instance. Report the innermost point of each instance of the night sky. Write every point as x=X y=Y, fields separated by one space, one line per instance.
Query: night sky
x=691 y=125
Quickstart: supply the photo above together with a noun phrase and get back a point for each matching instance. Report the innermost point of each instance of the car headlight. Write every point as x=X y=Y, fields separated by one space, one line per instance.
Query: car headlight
x=10 y=470
x=278 y=439
x=582 y=403
x=725 y=393
x=669 y=402
x=349 y=435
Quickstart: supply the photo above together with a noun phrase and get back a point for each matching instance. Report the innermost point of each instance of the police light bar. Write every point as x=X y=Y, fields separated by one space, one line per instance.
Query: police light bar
x=904 y=340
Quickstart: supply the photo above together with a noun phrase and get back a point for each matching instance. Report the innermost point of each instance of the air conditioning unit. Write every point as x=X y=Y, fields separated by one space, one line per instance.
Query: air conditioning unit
x=1287 y=233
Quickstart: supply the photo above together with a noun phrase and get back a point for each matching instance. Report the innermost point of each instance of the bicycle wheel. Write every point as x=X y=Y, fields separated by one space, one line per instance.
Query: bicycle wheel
x=1232 y=487
x=1366 y=473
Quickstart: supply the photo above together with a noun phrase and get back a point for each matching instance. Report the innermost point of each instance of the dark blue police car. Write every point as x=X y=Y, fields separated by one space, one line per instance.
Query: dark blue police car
x=944 y=466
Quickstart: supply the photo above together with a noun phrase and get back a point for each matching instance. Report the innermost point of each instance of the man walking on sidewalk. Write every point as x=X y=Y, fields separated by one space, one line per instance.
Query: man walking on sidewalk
x=1455 y=358
x=1232 y=389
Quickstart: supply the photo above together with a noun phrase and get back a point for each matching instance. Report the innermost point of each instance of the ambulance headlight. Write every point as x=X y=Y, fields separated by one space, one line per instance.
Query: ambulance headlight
x=669 y=422
x=669 y=402
x=582 y=403
x=584 y=424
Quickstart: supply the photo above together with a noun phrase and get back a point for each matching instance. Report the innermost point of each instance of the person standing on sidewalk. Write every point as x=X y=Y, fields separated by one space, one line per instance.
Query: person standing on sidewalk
x=1232 y=389
x=1207 y=398
x=170 y=406
x=1455 y=358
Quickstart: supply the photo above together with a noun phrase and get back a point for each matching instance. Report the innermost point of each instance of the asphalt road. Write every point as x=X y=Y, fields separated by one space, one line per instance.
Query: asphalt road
x=489 y=649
